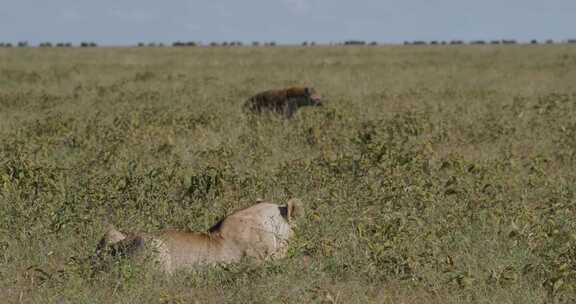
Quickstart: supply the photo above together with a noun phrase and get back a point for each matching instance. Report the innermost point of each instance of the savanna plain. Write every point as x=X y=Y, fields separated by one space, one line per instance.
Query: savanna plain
x=432 y=174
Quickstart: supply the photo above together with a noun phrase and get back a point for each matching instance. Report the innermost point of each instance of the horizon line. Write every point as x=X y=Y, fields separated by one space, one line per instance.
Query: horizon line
x=270 y=43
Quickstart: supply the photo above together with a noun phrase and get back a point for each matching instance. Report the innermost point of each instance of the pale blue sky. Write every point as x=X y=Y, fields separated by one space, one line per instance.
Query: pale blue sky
x=125 y=22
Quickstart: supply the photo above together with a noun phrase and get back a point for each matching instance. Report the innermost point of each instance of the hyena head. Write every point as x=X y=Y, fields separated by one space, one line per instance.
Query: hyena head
x=312 y=98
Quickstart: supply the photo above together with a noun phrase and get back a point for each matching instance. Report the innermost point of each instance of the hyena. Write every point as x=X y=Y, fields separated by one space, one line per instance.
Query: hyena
x=284 y=102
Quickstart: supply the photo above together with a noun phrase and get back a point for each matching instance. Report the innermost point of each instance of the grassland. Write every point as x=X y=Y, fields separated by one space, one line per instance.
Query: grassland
x=438 y=174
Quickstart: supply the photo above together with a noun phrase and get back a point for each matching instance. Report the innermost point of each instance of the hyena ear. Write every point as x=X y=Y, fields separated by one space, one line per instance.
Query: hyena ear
x=295 y=208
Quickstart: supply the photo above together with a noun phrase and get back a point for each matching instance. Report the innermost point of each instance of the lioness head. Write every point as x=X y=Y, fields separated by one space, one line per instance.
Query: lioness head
x=294 y=209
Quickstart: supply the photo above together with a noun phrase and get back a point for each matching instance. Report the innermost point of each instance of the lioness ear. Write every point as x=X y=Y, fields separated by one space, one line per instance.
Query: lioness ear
x=113 y=235
x=295 y=208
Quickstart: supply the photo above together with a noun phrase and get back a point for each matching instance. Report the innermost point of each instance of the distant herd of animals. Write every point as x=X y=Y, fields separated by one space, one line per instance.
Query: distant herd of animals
x=91 y=44
x=259 y=232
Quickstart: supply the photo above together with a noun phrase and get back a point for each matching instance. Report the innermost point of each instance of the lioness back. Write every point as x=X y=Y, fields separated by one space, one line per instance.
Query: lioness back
x=185 y=249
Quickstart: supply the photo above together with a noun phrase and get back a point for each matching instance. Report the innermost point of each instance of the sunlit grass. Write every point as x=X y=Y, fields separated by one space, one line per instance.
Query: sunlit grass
x=432 y=175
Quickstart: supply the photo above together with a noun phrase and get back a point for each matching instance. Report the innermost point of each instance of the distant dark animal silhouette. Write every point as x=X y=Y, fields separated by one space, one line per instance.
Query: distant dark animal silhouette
x=284 y=102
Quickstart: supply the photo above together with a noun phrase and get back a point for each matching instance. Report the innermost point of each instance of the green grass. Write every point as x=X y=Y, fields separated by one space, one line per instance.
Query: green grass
x=441 y=174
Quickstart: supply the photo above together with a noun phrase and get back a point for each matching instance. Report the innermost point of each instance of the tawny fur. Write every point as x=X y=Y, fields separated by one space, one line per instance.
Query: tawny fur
x=284 y=102
x=261 y=231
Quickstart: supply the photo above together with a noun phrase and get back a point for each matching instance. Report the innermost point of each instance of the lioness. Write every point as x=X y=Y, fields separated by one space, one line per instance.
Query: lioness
x=284 y=102
x=260 y=231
